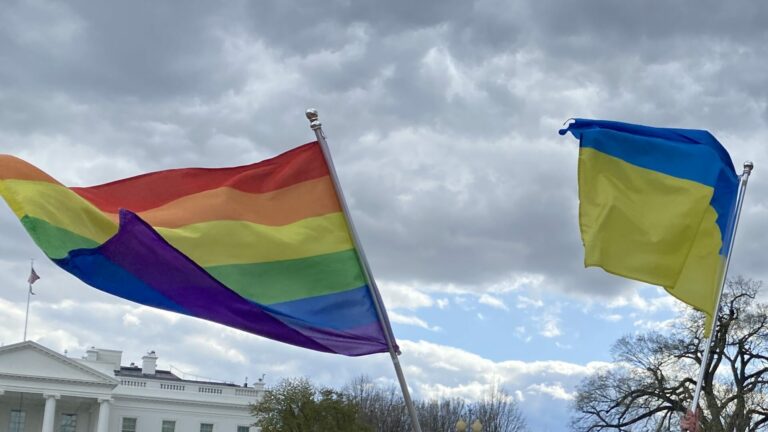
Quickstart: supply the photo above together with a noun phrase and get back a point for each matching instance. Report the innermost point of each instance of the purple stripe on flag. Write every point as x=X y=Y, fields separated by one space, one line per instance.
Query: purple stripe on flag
x=159 y=267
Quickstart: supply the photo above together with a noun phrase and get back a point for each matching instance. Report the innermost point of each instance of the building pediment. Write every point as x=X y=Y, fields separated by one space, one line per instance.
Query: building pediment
x=32 y=361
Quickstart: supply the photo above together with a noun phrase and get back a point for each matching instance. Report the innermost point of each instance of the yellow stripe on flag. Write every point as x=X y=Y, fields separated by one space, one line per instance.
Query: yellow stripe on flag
x=58 y=206
x=237 y=242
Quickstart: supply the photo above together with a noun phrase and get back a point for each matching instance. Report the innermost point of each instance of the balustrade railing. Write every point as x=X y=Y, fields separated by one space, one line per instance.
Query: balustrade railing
x=193 y=388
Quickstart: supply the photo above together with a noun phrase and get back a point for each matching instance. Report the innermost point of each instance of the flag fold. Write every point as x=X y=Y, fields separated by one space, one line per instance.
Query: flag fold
x=264 y=248
x=656 y=205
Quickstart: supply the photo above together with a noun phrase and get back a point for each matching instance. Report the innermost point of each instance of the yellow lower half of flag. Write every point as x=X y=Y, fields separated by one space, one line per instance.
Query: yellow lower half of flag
x=649 y=226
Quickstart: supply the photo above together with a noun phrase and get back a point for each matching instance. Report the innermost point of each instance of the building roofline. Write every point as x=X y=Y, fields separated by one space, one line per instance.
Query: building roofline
x=60 y=357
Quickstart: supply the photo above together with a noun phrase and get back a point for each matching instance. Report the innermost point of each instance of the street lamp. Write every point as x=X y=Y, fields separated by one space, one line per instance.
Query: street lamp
x=461 y=426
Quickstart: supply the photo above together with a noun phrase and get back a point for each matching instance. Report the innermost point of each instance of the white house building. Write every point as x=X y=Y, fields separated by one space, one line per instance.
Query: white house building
x=42 y=390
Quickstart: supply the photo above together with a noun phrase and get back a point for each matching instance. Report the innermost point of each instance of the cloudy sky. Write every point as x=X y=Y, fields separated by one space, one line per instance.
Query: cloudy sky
x=442 y=118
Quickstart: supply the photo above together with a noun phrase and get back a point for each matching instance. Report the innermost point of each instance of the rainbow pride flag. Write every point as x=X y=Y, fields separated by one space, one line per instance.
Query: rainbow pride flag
x=263 y=248
x=656 y=205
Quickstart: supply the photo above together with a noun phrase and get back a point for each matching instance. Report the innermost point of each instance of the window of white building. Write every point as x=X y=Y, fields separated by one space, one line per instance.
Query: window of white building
x=17 y=421
x=243 y=429
x=206 y=427
x=129 y=424
x=68 y=423
x=169 y=426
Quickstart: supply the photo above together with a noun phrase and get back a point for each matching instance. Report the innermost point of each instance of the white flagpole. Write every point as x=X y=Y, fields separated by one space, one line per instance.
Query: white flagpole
x=317 y=127
x=29 y=295
x=748 y=166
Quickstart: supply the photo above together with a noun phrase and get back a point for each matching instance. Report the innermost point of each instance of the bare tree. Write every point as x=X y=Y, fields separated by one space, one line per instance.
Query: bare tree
x=652 y=379
x=498 y=412
x=383 y=408
x=440 y=415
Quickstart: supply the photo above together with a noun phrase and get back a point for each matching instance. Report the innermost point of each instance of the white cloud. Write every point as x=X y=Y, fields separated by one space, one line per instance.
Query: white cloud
x=472 y=375
x=267 y=75
x=130 y=319
x=404 y=296
x=492 y=301
x=396 y=317
x=439 y=65
x=217 y=349
x=556 y=391
x=522 y=333
x=550 y=327
x=660 y=326
x=524 y=302
x=519 y=396
x=665 y=302
x=516 y=282
x=401 y=293
x=549 y=321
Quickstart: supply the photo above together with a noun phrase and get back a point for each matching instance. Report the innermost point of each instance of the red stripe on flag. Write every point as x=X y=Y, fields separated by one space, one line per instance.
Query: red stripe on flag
x=152 y=190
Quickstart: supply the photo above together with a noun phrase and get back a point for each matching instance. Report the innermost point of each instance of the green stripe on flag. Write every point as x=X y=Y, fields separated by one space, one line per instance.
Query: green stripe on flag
x=281 y=281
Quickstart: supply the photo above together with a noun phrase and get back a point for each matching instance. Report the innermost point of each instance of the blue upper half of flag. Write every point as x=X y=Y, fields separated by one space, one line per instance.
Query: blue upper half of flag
x=690 y=154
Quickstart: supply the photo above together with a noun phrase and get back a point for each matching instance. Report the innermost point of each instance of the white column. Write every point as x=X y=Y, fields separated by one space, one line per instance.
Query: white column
x=50 y=411
x=103 y=423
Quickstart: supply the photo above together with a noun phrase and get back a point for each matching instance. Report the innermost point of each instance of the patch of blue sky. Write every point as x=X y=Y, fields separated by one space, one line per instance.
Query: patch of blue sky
x=537 y=327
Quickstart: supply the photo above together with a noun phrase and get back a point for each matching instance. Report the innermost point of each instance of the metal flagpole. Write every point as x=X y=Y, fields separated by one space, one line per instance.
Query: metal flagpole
x=29 y=295
x=317 y=127
x=748 y=166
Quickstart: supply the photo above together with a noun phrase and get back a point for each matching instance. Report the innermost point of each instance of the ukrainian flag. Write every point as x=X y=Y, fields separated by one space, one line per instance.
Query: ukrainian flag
x=656 y=205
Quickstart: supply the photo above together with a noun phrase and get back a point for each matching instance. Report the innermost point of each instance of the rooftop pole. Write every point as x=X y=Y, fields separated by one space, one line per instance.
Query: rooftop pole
x=29 y=295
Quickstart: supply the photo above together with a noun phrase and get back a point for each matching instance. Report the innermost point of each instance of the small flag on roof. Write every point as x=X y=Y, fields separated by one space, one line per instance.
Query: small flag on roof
x=33 y=277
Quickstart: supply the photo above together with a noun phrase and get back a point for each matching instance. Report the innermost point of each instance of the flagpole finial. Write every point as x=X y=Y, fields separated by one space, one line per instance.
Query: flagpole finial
x=748 y=165
x=314 y=119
